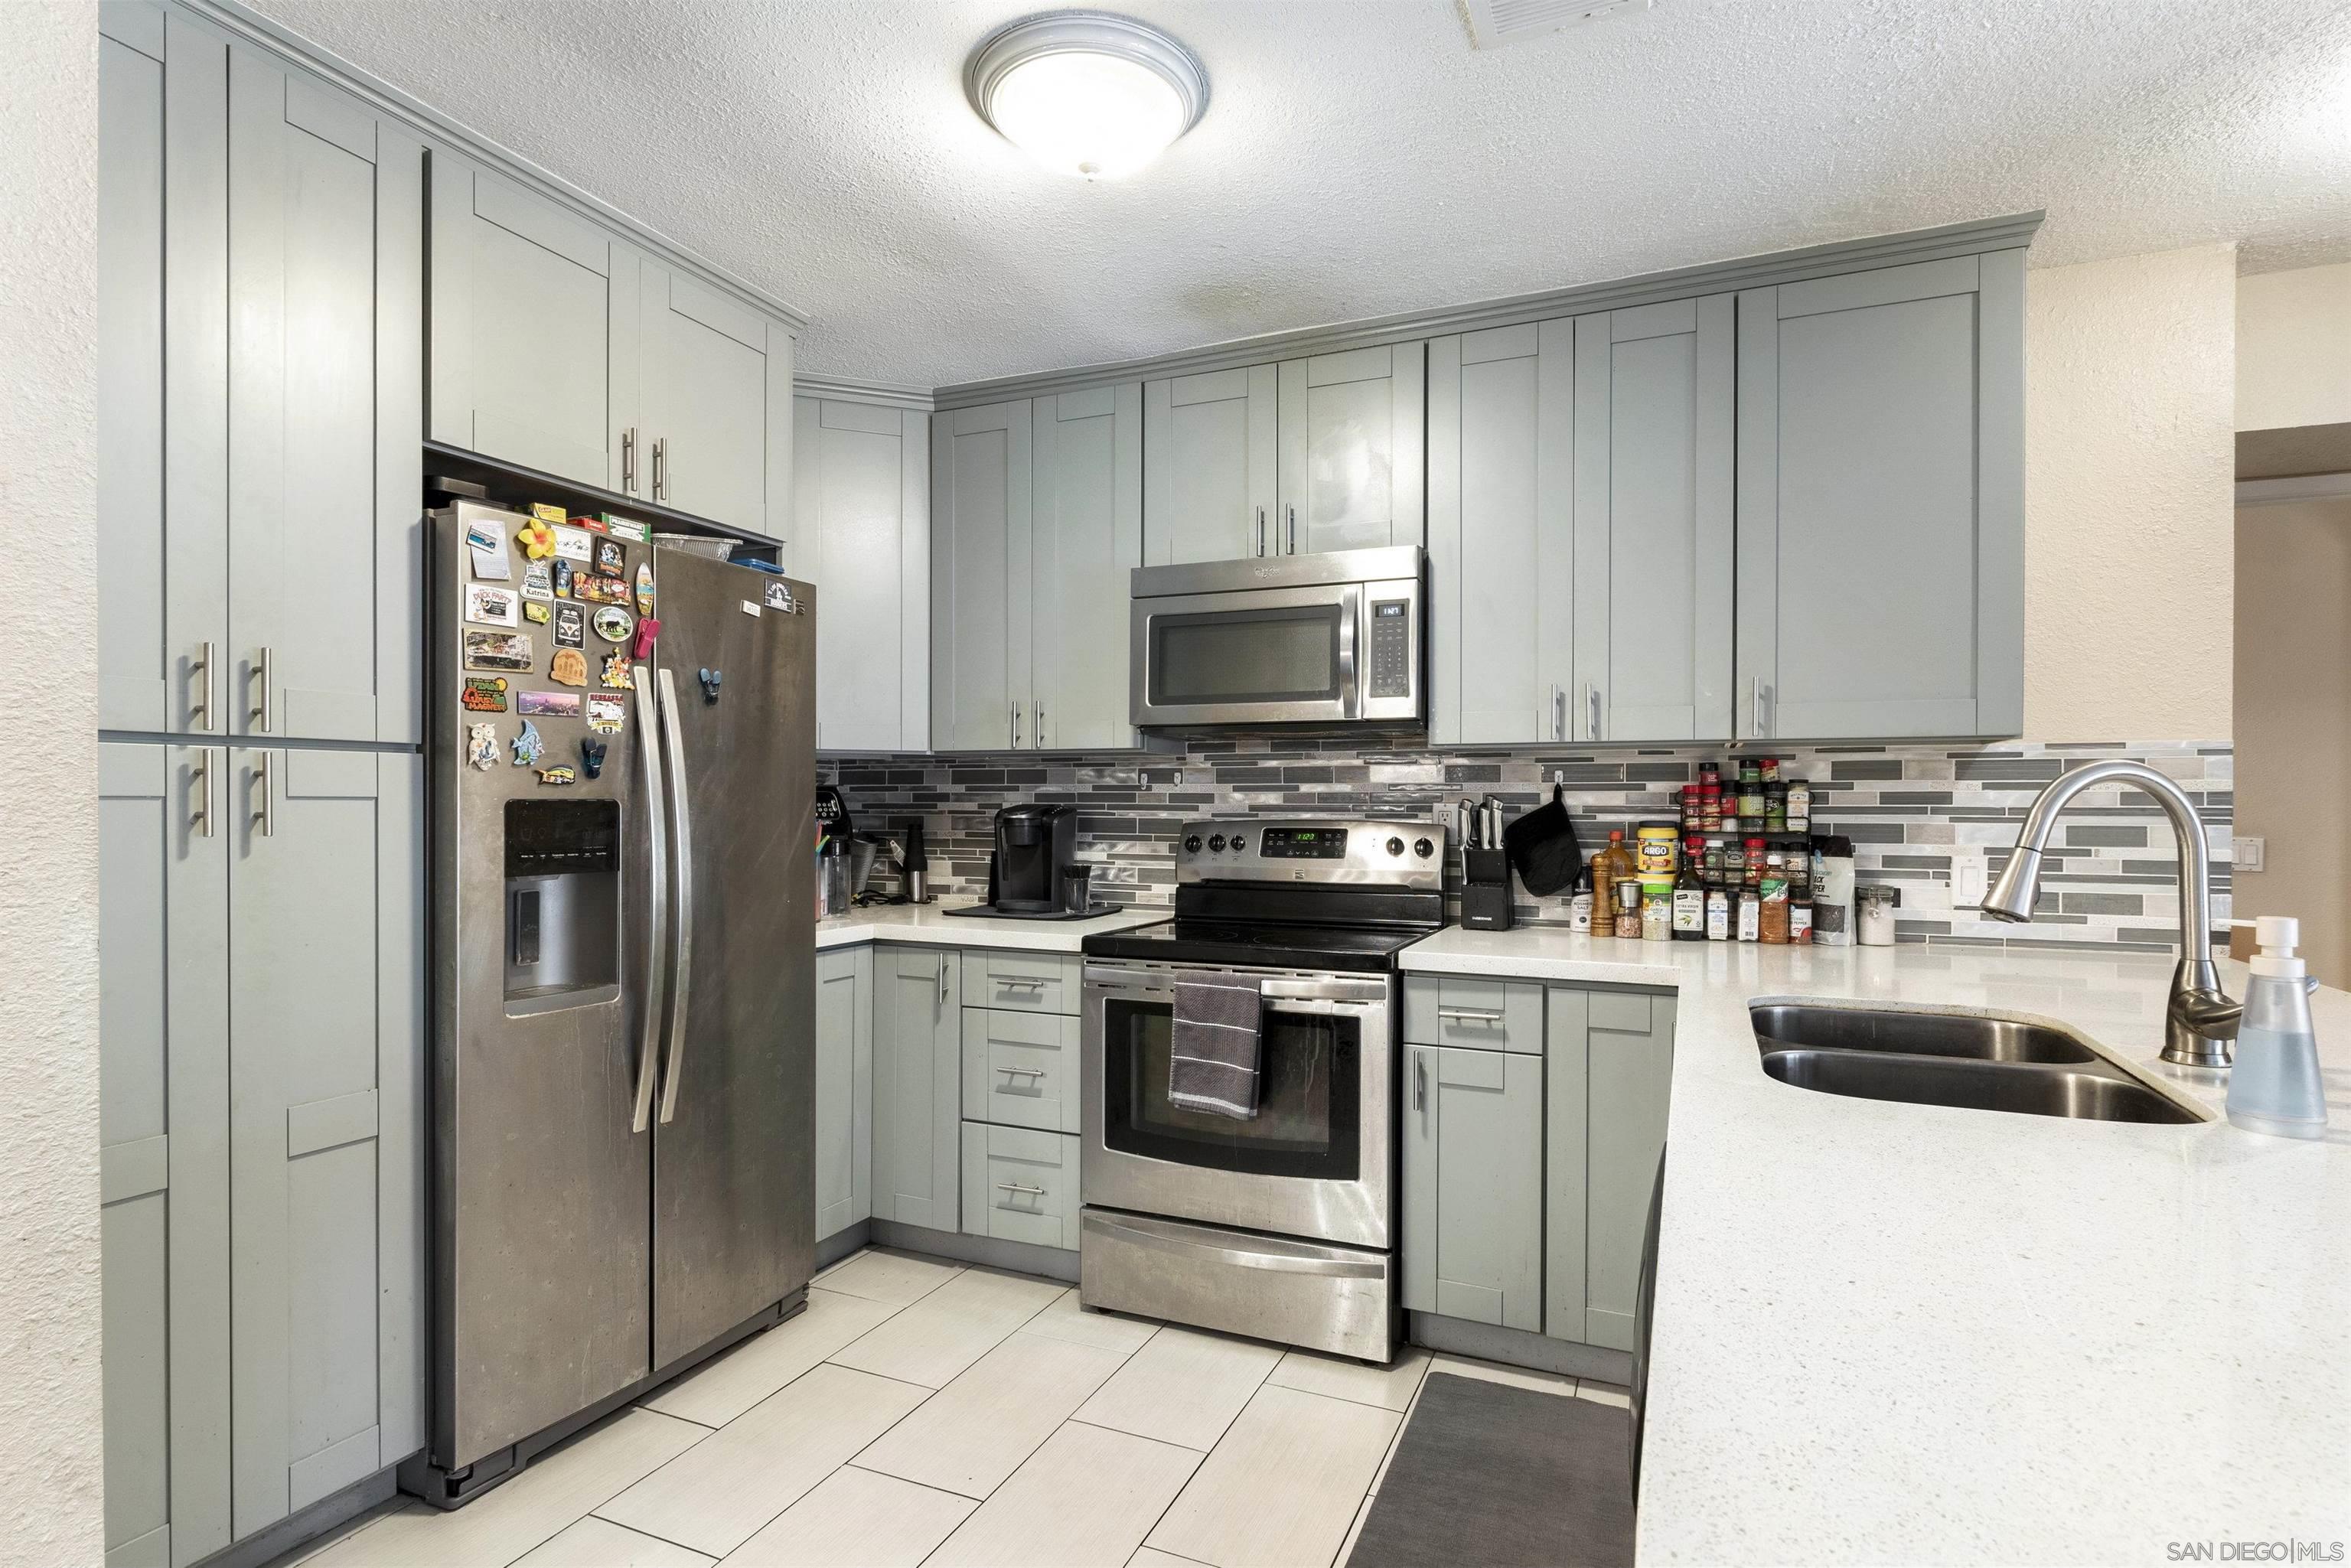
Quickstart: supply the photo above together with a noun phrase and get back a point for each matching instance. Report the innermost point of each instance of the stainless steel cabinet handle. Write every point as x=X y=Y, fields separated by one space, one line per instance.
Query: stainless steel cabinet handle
x=266 y=669
x=1020 y=1186
x=266 y=817
x=1293 y=529
x=1558 y=714
x=1470 y=1014
x=200 y=683
x=1024 y=982
x=661 y=467
x=1592 y=715
x=1016 y=724
x=682 y=991
x=1037 y=735
x=1261 y=530
x=629 y=468
x=649 y=1035
x=199 y=785
x=942 y=982
x=1023 y=1072
x=1755 y=707
x=1419 y=1081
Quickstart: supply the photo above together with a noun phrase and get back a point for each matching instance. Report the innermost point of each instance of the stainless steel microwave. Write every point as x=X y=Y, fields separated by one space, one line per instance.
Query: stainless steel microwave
x=1301 y=639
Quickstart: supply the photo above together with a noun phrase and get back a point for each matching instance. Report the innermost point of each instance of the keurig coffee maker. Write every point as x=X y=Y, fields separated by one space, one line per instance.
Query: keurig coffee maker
x=1033 y=845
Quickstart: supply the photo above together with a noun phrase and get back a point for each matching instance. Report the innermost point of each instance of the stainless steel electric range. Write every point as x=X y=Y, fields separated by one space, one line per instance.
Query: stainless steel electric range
x=1281 y=1226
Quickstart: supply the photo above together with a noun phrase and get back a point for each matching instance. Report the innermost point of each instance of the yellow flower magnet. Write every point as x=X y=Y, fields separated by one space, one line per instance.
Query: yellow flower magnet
x=538 y=539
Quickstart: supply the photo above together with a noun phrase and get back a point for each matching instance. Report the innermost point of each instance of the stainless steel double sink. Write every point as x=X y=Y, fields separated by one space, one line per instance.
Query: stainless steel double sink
x=1949 y=1058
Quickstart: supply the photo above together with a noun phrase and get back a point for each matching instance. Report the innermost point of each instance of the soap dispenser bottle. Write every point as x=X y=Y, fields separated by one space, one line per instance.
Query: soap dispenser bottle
x=2275 y=1086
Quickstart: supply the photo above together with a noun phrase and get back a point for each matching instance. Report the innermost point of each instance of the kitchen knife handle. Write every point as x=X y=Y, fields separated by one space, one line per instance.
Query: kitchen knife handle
x=200 y=681
x=649 y=1034
x=681 y=989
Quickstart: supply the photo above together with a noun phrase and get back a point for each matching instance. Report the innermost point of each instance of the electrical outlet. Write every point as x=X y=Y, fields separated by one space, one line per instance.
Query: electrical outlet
x=2245 y=855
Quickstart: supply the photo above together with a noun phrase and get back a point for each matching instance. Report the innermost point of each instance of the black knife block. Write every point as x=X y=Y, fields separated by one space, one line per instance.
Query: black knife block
x=1486 y=890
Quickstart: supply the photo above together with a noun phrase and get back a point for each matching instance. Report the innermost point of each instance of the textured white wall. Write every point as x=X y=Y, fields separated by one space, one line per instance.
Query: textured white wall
x=2293 y=347
x=2129 y=507
x=51 y=1506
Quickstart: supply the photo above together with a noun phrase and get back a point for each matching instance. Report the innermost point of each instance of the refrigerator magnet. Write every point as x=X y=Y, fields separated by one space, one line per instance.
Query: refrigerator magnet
x=482 y=746
x=778 y=596
x=528 y=744
x=499 y=651
x=613 y=623
x=483 y=693
x=591 y=756
x=562 y=578
x=606 y=713
x=490 y=565
x=571 y=626
x=535 y=612
x=538 y=580
x=594 y=524
x=488 y=606
x=570 y=668
x=610 y=556
x=547 y=705
x=616 y=674
x=645 y=588
x=557 y=776
x=599 y=589
x=482 y=539
x=537 y=539
x=627 y=528
x=750 y=607
x=570 y=544
x=647 y=630
x=546 y=512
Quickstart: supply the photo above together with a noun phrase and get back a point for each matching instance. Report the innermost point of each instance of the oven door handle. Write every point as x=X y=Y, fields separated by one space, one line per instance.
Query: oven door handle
x=1350 y=990
x=1272 y=1262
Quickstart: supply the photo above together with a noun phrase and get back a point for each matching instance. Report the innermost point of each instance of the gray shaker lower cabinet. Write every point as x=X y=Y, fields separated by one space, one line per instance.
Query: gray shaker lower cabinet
x=163 y=1220
x=325 y=1097
x=844 y=1088
x=1021 y=1184
x=1473 y=1185
x=1611 y=1060
x=917 y=1085
x=261 y=1076
x=1881 y=503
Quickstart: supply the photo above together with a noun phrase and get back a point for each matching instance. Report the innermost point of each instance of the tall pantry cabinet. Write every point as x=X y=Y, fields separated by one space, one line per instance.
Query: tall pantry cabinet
x=261 y=245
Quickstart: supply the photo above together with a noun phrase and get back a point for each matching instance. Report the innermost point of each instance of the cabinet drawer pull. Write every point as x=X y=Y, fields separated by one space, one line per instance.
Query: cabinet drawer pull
x=1470 y=1014
x=1020 y=1186
x=1024 y=981
x=1023 y=1072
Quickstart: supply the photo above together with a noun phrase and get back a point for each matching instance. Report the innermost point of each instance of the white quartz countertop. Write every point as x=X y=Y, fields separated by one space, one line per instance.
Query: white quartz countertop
x=930 y=925
x=1907 y=1333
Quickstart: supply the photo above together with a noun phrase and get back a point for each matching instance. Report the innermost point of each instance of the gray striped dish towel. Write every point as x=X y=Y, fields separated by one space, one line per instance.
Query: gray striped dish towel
x=1214 y=1049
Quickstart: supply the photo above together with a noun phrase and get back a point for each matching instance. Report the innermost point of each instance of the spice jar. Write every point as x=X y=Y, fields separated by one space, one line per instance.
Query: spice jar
x=1800 y=806
x=1714 y=855
x=1750 y=915
x=1800 y=923
x=1693 y=815
x=1775 y=807
x=1717 y=914
x=1656 y=908
x=1709 y=776
x=1710 y=805
x=1628 y=908
x=1751 y=802
x=1734 y=862
x=1754 y=862
x=1768 y=769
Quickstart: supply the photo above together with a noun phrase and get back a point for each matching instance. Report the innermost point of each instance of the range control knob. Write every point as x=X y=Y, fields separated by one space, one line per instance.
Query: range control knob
x=1423 y=848
x=1396 y=846
x=1191 y=843
x=1217 y=843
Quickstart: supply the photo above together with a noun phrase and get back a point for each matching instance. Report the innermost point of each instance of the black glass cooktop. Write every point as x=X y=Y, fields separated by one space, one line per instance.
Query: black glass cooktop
x=1261 y=943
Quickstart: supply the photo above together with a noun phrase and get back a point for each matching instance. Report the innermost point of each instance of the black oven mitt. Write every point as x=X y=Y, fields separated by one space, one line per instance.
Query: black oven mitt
x=1542 y=847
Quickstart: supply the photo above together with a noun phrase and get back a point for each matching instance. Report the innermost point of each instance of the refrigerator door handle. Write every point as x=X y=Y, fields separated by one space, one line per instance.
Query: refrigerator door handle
x=682 y=988
x=657 y=904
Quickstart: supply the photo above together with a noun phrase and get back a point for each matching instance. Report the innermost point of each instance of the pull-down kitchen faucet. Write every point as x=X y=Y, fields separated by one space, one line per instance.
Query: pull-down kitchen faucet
x=2201 y=1024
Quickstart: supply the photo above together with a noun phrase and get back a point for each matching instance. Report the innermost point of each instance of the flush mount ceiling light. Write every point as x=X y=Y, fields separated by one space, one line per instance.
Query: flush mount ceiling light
x=1086 y=93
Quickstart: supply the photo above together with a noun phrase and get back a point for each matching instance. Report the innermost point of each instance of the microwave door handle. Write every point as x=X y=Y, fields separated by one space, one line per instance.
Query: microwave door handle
x=1351 y=698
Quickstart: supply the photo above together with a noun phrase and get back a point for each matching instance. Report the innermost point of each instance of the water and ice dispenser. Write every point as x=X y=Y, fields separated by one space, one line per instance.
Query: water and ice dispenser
x=563 y=903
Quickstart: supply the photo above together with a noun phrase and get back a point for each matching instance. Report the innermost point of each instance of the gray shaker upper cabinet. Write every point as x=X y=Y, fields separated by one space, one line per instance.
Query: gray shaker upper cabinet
x=524 y=313
x=1580 y=528
x=1881 y=503
x=980 y=521
x=1086 y=536
x=1311 y=454
x=703 y=400
x=1208 y=467
x=1653 y=479
x=861 y=525
x=1348 y=450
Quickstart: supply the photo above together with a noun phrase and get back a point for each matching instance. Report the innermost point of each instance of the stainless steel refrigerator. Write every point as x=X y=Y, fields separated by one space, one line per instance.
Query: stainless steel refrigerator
x=624 y=1064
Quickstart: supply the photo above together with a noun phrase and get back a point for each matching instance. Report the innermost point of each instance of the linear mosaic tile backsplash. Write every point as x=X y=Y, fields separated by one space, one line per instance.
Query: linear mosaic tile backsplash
x=1921 y=817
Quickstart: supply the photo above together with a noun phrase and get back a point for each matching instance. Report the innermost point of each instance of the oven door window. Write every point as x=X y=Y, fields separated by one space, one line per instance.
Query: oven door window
x=1285 y=655
x=1309 y=1101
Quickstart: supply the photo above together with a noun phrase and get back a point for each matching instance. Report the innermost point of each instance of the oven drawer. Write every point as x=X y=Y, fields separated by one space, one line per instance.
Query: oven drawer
x=1020 y=1070
x=1335 y=1299
x=1020 y=1185
x=1484 y=1015
x=1021 y=982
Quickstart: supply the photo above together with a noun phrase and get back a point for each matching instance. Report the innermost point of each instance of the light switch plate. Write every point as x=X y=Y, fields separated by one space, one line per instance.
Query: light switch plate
x=2245 y=853
x=1967 y=882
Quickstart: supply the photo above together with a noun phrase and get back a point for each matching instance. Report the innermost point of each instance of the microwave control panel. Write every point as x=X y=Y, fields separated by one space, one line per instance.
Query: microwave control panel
x=1391 y=653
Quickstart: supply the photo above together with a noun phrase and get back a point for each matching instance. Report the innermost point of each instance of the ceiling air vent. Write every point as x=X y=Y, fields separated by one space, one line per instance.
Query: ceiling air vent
x=1496 y=23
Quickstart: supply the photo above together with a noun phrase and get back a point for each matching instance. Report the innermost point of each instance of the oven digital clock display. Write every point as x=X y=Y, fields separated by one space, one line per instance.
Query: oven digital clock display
x=1305 y=843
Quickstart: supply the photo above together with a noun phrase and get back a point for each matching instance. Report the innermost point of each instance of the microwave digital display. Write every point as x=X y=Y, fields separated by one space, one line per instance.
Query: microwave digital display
x=1305 y=843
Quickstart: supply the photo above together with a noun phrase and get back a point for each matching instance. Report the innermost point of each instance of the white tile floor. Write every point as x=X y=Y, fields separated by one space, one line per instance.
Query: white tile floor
x=921 y=1412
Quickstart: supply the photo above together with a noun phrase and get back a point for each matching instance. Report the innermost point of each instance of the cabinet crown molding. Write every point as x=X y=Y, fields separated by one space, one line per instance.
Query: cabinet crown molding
x=848 y=389
x=2010 y=232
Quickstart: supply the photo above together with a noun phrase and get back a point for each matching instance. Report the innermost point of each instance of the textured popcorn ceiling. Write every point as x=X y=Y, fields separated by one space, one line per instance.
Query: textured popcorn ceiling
x=1358 y=159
